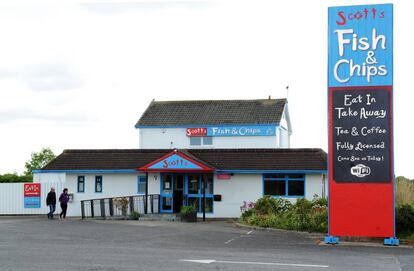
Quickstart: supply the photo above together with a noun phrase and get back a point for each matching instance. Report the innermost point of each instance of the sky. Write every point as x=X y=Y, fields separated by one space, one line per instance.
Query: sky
x=79 y=74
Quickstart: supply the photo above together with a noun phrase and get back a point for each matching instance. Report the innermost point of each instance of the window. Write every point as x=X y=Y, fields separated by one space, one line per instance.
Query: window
x=81 y=184
x=195 y=141
x=284 y=185
x=199 y=141
x=167 y=184
x=98 y=184
x=142 y=183
x=296 y=188
x=208 y=140
x=275 y=187
x=193 y=184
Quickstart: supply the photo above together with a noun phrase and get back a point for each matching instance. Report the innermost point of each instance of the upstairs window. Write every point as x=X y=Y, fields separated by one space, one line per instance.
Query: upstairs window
x=201 y=141
x=208 y=140
x=195 y=141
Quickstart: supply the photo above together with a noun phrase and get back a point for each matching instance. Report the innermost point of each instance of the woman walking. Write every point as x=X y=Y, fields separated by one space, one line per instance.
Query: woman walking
x=63 y=199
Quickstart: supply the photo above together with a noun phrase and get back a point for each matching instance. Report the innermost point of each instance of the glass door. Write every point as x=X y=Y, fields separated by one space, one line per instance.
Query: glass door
x=167 y=182
x=194 y=191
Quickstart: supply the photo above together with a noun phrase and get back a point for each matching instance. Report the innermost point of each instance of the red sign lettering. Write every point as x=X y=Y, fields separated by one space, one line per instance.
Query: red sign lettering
x=196 y=131
x=223 y=176
x=32 y=189
x=362 y=14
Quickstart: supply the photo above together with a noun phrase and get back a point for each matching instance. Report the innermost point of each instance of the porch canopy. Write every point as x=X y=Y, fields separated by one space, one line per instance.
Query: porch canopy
x=177 y=161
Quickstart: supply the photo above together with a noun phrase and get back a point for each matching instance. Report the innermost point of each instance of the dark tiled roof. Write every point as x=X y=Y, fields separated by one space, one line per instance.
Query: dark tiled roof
x=264 y=159
x=213 y=112
x=104 y=159
x=224 y=159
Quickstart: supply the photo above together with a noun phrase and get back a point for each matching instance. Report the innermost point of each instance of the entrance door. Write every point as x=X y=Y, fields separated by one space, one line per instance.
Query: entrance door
x=167 y=182
x=178 y=192
x=194 y=191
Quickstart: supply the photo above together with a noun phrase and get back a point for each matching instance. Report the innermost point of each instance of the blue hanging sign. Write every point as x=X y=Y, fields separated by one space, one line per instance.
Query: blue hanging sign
x=174 y=161
x=360 y=45
x=255 y=130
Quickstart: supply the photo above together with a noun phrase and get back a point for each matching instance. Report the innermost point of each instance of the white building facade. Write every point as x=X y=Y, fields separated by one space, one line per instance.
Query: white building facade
x=169 y=125
x=214 y=155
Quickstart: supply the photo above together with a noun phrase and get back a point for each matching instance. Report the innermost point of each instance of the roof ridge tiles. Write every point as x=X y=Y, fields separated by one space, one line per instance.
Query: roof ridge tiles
x=213 y=112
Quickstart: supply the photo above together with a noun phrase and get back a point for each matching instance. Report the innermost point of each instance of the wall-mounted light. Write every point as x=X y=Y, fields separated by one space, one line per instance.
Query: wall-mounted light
x=155 y=177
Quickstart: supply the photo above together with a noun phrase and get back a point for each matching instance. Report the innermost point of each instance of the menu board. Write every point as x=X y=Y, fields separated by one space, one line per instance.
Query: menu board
x=361 y=134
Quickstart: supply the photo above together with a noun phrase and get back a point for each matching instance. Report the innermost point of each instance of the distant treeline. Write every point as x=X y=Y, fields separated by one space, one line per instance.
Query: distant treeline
x=405 y=191
x=15 y=178
x=37 y=161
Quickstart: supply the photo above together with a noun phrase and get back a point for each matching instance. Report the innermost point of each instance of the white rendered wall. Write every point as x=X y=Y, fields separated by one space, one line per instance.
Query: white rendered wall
x=170 y=138
x=314 y=186
x=241 y=187
x=154 y=183
x=113 y=185
x=49 y=177
x=284 y=138
x=249 y=188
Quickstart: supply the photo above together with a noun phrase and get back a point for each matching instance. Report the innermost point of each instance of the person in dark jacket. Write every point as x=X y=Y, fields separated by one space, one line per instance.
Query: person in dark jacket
x=63 y=199
x=51 y=202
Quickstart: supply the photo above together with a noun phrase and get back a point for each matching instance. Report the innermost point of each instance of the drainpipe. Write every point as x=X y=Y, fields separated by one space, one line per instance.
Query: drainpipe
x=323 y=186
x=204 y=197
x=146 y=193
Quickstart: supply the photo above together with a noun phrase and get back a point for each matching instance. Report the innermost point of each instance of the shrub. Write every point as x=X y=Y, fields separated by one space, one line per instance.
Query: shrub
x=320 y=221
x=323 y=202
x=404 y=192
x=134 y=215
x=302 y=214
x=312 y=216
x=185 y=210
x=405 y=218
x=246 y=214
x=279 y=213
x=269 y=205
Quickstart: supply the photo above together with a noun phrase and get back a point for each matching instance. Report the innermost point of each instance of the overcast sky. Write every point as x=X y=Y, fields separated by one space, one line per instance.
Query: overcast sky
x=78 y=74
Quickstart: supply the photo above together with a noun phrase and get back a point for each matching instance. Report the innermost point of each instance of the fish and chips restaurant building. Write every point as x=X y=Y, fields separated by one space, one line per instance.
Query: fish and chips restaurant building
x=213 y=155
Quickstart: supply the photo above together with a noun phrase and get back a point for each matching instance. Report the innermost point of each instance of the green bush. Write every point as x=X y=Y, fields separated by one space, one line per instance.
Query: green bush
x=15 y=178
x=320 y=221
x=323 y=202
x=404 y=191
x=405 y=218
x=279 y=213
x=310 y=216
x=134 y=215
x=246 y=214
x=269 y=205
x=185 y=210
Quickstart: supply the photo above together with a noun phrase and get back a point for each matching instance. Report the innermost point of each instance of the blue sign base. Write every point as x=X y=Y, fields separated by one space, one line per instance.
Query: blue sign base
x=393 y=241
x=333 y=240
